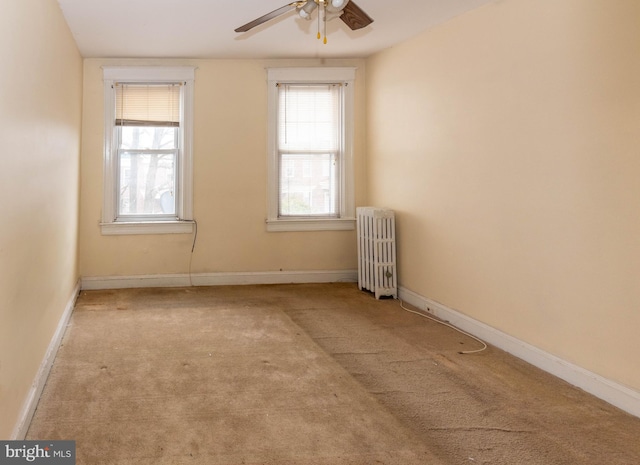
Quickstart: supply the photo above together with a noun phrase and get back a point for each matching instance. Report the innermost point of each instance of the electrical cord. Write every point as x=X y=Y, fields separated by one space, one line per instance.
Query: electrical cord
x=444 y=323
x=195 y=235
x=193 y=246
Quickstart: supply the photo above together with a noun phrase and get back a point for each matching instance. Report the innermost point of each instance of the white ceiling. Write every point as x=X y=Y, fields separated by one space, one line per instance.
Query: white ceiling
x=205 y=28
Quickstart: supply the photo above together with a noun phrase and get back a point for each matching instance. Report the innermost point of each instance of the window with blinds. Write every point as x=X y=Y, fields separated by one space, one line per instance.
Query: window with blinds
x=147 y=125
x=309 y=145
x=148 y=150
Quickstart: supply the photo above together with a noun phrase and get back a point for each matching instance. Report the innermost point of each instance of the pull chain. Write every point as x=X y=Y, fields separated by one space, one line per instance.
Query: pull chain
x=323 y=4
x=319 y=25
x=325 y=21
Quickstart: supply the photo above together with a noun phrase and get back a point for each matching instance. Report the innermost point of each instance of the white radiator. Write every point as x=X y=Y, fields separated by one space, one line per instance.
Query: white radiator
x=377 y=251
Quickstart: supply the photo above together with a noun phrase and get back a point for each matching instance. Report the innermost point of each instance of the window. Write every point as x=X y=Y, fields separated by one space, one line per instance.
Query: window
x=148 y=159
x=310 y=149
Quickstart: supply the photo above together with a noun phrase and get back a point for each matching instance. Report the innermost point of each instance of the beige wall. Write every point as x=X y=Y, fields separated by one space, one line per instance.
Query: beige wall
x=507 y=141
x=230 y=184
x=40 y=105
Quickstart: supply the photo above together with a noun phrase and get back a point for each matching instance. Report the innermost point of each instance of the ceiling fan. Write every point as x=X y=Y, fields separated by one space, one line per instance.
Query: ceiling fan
x=350 y=13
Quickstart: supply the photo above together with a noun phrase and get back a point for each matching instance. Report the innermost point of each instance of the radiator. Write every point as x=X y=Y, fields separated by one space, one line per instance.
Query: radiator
x=377 y=251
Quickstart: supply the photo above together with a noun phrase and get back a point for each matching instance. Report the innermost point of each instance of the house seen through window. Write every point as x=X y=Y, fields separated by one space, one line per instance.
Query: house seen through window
x=311 y=168
x=309 y=145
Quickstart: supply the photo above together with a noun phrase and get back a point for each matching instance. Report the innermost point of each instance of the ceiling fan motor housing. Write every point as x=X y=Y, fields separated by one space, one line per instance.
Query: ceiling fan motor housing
x=333 y=8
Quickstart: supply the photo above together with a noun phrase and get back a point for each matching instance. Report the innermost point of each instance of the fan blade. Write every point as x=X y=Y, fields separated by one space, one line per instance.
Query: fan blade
x=267 y=17
x=354 y=17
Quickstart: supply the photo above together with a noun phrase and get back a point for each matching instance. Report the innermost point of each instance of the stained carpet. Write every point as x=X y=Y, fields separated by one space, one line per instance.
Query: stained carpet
x=209 y=376
x=305 y=374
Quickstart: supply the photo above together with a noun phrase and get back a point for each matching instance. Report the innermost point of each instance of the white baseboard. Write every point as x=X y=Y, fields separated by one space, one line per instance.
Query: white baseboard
x=127 y=282
x=218 y=279
x=616 y=394
x=33 y=396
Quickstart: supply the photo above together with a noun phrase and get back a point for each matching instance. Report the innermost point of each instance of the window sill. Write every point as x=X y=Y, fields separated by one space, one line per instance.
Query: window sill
x=341 y=224
x=148 y=227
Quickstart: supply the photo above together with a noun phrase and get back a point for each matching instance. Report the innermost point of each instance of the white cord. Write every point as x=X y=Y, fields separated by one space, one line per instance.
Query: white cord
x=484 y=346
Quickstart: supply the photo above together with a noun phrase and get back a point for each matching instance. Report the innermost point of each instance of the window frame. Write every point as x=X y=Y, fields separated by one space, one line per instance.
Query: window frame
x=183 y=221
x=345 y=219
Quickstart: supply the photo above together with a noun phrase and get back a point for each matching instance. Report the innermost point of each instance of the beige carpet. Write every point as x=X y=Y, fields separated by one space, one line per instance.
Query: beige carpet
x=211 y=376
x=305 y=374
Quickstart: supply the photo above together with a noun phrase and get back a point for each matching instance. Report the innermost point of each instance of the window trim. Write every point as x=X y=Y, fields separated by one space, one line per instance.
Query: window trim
x=346 y=218
x=183 y=223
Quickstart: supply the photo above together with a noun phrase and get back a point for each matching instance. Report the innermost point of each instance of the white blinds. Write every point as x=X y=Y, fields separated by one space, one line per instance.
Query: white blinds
x=147 y=104
x=309 y=118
